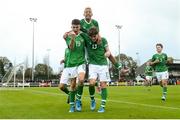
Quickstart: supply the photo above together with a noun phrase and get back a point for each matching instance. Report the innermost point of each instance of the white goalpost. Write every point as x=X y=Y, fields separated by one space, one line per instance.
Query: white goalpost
x=10 y=79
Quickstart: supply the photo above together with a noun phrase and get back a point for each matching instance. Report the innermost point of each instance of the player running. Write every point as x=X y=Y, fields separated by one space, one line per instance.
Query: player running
x=159 y=61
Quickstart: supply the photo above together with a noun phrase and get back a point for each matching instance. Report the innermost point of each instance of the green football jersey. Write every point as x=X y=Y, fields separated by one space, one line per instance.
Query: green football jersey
x=96 y=52
x=161 y=66
x=66 y=57
x=148 y=70
x=77 y=54
x=85 y=26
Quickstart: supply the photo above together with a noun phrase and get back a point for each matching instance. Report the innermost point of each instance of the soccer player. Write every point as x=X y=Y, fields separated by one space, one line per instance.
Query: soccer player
x=88 y=22
x=76 y=60
x=148 y=74
x=98 y=67
x=98 y=52
x=63 y=79
x=159 y=61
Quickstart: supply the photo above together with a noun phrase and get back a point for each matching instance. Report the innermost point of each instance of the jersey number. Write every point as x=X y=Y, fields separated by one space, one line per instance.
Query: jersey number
x=78 y=43
x=94 y=46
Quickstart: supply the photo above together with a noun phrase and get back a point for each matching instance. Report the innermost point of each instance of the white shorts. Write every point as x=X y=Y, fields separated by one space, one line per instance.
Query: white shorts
x=71 y=72
x=149 y=77
x=162 y=75
x=99 y=71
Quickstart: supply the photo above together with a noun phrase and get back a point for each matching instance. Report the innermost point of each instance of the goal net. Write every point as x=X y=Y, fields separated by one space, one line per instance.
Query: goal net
x=14 y=78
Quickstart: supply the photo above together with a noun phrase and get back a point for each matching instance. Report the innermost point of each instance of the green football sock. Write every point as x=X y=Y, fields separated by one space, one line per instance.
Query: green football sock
x=79 y=91
x=103 y=96
x=91 y=91
x=72 y=97
x=164 y=91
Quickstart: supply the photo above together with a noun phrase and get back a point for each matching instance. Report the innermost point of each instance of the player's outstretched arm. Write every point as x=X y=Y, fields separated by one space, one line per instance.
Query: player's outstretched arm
x=114 y=61
x=107 y=52
x=111 y=58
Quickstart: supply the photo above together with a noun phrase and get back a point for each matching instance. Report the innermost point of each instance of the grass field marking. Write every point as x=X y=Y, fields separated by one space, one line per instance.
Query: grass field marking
x=45 y=92
x=116 y=101
x=147 y=105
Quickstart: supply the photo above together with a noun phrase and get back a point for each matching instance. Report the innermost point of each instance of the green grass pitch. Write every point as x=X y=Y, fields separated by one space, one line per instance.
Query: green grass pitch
x=124 y=102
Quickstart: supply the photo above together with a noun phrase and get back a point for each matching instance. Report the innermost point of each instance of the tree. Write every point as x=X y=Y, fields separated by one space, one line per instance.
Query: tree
x=2 y=72
x=5 y=65
x=127 y=62
x=28 y=73
x=41 y=71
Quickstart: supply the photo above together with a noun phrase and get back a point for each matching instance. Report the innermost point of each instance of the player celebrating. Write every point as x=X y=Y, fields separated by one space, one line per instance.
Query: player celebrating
x=88 y=22
x=98 y=52
x=159 y=61
x=98 y=66
x=76 y=59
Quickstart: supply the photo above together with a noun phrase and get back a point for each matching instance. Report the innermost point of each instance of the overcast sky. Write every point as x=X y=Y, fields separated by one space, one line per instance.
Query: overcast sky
x=145 y=23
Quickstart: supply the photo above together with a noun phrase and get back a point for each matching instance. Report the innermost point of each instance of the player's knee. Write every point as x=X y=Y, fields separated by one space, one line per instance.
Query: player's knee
x=161 y=84
x=164 y=83
x=73 y=87
x=91 y=84
x=61 y=87
x=81 y=81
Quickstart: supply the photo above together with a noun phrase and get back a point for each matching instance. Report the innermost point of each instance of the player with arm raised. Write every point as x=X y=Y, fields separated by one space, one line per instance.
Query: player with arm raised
x=76 y=60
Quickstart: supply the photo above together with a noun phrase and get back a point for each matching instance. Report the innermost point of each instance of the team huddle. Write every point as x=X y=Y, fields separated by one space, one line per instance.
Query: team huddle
x=85 y=46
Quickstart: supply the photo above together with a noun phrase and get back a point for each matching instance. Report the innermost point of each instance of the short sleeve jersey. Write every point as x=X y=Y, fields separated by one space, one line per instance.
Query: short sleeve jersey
x=77 y=54
x=161 y=66
x=85 y=26
x=96 y=52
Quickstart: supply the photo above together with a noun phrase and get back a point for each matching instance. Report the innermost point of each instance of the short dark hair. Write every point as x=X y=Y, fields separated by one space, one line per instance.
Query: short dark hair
x=159 y=44
x=75 y=22
x=92 y=31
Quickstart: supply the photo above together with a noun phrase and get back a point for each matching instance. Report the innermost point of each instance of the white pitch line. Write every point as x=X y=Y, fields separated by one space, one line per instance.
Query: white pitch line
x=116 y=101
x=44 y=92
x=146 y=105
